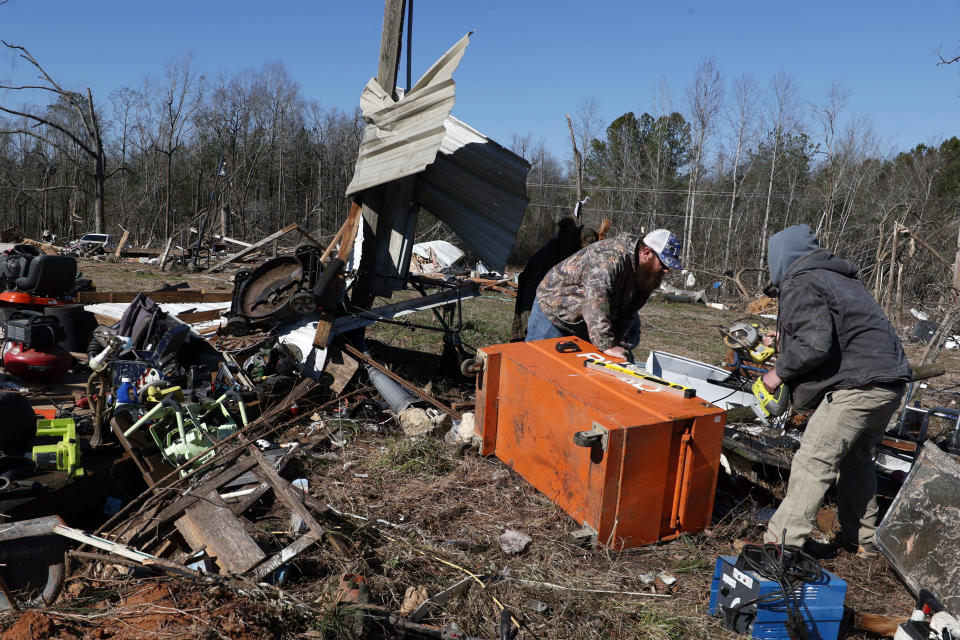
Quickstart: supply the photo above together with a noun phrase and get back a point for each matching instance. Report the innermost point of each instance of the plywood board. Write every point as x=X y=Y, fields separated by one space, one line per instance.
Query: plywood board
x=211 y=525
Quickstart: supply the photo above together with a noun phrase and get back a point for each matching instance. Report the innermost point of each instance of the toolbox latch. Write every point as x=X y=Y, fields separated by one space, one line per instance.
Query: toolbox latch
x=598 y=435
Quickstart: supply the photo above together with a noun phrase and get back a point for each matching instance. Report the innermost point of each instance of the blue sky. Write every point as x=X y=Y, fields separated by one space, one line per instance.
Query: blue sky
x=530 y=61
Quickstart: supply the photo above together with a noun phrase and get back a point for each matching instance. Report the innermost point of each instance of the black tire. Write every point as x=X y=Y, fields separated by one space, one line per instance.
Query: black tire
x=303 y=302
x=237 y=326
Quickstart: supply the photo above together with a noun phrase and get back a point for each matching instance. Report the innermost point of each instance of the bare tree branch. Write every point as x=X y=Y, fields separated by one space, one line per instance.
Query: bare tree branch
x=27 y=86
x=87 y=136
x=944 y=60
x=47 y=123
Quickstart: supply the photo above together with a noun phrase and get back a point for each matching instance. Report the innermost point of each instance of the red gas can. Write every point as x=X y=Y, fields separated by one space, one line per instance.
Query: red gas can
x=634 y=461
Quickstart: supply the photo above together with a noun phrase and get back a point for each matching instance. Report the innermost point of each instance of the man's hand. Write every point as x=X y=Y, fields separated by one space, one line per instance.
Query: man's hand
x=771 y=380
x=616 y=352
x=770 y=339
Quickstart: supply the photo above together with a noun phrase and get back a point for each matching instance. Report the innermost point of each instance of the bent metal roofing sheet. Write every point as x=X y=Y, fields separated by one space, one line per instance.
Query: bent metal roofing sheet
x=463 y=178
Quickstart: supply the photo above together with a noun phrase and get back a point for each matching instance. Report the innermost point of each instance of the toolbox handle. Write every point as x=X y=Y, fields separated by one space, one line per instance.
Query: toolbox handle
x=596 y=436
x=586 y=438
x=679 y=495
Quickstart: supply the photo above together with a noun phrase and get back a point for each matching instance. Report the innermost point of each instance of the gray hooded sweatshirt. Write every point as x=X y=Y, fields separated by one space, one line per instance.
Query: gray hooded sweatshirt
x=833 y=334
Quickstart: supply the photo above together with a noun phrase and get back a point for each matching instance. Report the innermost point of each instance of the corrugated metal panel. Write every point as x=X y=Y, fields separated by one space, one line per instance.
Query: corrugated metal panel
x=479 y=189
x=402 y=138
x=463 y=178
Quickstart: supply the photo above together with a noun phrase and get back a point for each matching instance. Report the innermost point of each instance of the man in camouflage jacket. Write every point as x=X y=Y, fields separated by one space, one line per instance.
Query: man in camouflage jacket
x=595 y=293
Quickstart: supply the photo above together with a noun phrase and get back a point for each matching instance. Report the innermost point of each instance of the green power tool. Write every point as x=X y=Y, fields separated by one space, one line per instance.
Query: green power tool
x=773 y=405
x=65 y=454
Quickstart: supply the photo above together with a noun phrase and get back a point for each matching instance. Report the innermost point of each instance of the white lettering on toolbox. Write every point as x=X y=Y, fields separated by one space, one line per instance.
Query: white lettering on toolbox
x=592 y=356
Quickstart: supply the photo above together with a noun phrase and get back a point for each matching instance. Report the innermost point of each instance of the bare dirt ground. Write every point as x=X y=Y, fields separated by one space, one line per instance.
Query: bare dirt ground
x=409 y=514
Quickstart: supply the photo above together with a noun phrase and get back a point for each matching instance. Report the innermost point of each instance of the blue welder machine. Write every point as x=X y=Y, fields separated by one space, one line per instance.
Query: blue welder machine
x=774 y=592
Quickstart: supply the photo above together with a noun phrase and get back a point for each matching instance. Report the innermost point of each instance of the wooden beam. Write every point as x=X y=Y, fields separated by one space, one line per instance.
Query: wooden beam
x=285 y=555
x=321 y=338
x=211 y=525
x=390 y=43
x=199 y=316
x=166 y=252
x=253 y=247
x=120 y=245
x=285 y=491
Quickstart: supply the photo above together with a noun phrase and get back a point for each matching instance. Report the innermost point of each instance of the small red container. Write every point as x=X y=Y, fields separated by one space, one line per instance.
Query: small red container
x=31 y=364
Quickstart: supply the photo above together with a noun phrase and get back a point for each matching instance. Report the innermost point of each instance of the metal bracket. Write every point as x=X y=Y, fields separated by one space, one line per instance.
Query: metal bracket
x=599 y=434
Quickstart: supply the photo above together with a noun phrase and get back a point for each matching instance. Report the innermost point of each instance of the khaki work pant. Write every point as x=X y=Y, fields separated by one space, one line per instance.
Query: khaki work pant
x=837 y=445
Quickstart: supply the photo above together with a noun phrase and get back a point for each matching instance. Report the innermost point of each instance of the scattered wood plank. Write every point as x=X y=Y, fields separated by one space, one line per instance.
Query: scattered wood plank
x=54 y=525
x=182 y=504
x=253 y=247
x=199 y=316
x=232 y=241
x=293 y=498
x=321 y=338
x=285 y=555
x=874 y=622
x=342 y=367
x=166 y=252
x=210 y=525
x=93 y=297
x=121 y=244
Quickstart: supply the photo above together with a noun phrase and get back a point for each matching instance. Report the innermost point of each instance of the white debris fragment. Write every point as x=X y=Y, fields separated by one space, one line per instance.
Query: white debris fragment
x=513 y=542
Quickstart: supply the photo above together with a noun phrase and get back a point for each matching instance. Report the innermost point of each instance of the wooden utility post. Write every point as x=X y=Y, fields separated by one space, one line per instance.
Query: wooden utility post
x=379 y=208
x=390 y=44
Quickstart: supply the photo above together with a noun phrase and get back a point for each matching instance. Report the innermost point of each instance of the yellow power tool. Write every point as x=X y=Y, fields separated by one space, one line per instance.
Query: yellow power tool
x=747 y=338
x=773 y=404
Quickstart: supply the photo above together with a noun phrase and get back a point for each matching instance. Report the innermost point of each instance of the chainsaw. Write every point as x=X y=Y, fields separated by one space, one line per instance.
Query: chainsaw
x=747 y=340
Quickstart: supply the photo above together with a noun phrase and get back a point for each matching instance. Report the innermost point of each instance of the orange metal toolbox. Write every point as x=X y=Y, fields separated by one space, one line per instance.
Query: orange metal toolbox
x=648 y=474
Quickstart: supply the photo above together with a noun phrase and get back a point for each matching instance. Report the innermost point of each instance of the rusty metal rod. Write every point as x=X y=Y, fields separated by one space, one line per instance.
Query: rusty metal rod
x=349 y=348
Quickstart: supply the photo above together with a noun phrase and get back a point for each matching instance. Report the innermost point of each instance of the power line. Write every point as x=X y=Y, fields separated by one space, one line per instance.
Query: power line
x=652 y=190
x=638 y=213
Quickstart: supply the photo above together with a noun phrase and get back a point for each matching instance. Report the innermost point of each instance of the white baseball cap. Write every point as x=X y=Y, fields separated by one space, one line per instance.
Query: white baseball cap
x=666 y=246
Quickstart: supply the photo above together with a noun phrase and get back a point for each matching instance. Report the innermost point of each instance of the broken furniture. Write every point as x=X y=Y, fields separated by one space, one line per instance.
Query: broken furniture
x=633 y=462
x=185 y=432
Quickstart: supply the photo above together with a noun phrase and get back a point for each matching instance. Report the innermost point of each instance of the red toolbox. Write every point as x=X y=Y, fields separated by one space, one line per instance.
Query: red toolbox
x=634 y=461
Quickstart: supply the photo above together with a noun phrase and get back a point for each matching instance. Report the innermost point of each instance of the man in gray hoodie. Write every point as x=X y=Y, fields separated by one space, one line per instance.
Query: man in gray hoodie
x=840 y=354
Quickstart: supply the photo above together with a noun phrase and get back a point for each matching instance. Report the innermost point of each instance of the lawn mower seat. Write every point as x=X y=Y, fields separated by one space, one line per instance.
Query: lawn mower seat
x=49 y=275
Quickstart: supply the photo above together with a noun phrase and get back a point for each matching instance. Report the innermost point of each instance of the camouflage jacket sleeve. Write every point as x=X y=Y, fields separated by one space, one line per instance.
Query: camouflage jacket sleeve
x=598 y=290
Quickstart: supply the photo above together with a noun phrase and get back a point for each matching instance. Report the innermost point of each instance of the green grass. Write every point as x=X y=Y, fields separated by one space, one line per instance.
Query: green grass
x=693 y=559
x=416 y=456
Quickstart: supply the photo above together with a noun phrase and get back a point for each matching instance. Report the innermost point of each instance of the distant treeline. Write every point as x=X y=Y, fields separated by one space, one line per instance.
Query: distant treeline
x=735 y=164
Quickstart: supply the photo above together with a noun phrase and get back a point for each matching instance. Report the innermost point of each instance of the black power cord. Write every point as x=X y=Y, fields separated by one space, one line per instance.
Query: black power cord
x=790 y=567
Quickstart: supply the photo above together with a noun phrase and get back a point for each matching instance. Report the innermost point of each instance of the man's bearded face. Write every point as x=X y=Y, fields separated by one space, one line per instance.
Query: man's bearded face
x=650 y=270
